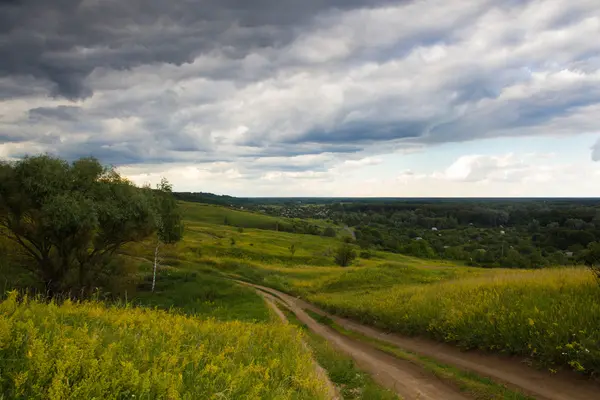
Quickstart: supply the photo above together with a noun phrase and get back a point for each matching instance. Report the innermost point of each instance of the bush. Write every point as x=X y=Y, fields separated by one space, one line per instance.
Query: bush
x=329 y=232
x=344 y=255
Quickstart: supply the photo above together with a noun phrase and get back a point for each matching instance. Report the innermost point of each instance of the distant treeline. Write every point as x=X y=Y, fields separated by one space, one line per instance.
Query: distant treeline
x=526 y=233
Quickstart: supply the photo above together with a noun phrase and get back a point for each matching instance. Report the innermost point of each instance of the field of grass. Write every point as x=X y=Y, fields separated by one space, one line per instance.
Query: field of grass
x=549 y=316
x=89 y=350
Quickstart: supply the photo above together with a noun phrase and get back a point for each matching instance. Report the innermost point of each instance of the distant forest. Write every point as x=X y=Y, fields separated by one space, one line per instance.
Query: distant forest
x=487 y=232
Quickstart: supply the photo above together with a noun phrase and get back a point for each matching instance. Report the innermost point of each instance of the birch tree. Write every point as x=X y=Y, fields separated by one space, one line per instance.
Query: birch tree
x=168 y=222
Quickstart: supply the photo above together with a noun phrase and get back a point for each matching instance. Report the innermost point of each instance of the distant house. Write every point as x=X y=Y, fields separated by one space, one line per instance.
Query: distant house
x=418 y=238
x=569 y=253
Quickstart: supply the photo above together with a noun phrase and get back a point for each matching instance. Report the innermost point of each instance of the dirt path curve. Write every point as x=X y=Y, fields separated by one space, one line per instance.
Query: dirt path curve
x=538 y=384
x=332 y=391
x=406 y=379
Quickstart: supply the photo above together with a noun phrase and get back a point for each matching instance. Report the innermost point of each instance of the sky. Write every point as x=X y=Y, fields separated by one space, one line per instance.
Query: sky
x=425 y=98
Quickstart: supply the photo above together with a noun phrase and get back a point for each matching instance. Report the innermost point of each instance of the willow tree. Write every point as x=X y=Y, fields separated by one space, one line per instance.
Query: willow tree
x=70 y=218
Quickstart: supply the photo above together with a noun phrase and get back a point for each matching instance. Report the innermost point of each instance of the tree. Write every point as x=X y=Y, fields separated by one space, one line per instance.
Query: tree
x=344 y=255
x=168 y=220
x=420 y=248
x=70 y=218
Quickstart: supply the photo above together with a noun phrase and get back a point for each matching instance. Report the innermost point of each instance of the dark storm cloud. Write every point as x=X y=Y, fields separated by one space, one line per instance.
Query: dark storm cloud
x=63 y=41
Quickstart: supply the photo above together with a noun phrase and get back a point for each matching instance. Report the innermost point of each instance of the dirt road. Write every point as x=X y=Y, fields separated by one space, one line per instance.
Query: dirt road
x=409 y=380
x=331 y=389
x=406 y=379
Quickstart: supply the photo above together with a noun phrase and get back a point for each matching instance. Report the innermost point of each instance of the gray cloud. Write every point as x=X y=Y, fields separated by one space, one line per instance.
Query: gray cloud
x=151 y=81
x=63 y=41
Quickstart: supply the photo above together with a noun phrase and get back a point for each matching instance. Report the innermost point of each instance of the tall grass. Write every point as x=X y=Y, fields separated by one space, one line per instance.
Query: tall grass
x=552 y=316
x=88 y=350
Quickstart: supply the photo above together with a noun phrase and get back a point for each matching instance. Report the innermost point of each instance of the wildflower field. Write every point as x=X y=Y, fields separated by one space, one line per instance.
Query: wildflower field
x=89 y=350
x=548 y=316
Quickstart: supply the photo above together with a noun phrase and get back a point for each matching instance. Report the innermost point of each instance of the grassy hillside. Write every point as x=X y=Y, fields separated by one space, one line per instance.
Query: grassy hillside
x=550 y=316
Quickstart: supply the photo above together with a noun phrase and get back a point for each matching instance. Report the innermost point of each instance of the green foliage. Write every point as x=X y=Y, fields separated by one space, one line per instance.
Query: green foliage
x=168 y=216
x=200 y=292
x=344 y=255
x=420 y=248
x=69 y=219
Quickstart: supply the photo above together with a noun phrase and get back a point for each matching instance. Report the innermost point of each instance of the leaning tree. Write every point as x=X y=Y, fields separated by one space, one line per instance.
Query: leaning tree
x=70 y=218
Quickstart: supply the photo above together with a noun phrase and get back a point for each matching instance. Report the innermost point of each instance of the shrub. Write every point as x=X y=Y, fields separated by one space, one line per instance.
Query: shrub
x=344 y=255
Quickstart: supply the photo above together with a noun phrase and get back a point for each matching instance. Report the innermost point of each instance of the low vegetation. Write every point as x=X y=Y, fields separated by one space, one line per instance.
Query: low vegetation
x=89 y=350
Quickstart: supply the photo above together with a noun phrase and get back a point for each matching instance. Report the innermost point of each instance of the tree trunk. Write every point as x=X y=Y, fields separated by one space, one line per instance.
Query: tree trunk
x=155 y=264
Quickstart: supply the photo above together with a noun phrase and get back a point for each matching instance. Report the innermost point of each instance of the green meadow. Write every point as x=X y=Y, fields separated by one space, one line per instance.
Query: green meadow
x=549 y=316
